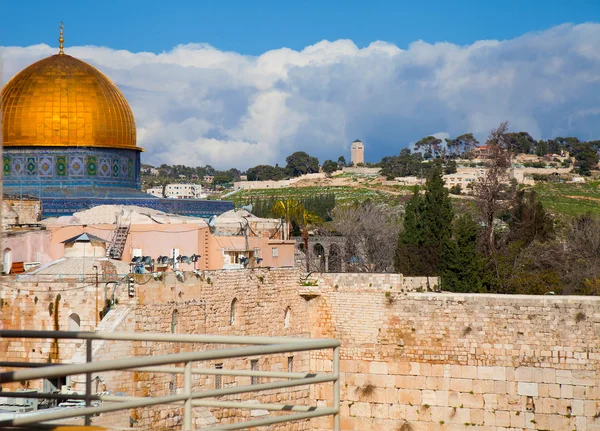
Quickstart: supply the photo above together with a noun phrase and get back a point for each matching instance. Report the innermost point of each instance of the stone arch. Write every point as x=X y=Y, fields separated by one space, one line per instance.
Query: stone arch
x=74 y=322
x=287 y=316
x=233 y=312
x=335 y=258
x=174 y=321
x=319 y=257
x=6 y=261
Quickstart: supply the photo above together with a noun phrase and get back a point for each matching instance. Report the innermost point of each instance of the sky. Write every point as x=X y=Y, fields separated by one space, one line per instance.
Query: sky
x=238 y=83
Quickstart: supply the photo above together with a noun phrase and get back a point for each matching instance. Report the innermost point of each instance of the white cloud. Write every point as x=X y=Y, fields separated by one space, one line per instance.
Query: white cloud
x=198 y=105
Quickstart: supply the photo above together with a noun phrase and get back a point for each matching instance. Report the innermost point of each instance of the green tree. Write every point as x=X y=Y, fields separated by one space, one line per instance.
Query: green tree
x=463 y=263
x=586 y=157
x=329 y=167
x=462 y=145
x=289 y=209
x=450 y=167
x=300 y=163
x=427 y=228
x=342 y=162
x=430 y=145
x=265 y=172
x=529 y=221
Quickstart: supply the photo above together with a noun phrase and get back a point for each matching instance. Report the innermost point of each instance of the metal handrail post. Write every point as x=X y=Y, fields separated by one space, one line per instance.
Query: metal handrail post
x=88 y=380
x=187 y=387
x=336 y=388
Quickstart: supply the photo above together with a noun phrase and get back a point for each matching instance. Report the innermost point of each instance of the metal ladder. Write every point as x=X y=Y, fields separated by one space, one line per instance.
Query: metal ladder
x=119 y=237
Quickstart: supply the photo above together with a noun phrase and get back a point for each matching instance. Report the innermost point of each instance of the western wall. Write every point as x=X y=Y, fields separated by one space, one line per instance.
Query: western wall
x=410 y=360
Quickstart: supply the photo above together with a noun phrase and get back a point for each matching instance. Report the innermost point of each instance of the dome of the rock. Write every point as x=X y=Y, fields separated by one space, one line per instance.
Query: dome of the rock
x=63 y=101
x=69 y=140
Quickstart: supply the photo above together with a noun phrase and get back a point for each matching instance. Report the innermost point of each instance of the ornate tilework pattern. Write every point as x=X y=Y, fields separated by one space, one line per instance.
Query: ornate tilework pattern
x=61 y=166
x=6 y=166
x=91 y=166
x=76 y=166
x=124 y=166
x=104 y=168
x=46 y=166
x=68 y=166
x=18 y=165
x=31 y=166
x=115 y=168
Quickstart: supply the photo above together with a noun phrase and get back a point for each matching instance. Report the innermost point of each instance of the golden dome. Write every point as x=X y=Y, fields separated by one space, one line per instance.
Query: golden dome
x=63 y=101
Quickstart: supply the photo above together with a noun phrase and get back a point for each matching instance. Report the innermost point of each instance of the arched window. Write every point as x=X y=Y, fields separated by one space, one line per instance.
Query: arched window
x=6 y=261
x=232 y=314
x=286 y=318
x=74 y=322
x=174 y=321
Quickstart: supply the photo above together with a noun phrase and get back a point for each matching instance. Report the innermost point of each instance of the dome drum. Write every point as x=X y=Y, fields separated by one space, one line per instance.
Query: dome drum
x=31 y=167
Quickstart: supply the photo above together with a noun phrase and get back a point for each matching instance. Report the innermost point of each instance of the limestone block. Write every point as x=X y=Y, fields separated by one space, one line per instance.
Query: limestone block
x=485 y=373
x=473 y=401
x=579 y=392
x=441 y=398
x=454 y=399
x=549 y=375
x=412 y=413
x=461 y=385
x=483 y=386
x=527 y=389
x=378 y=368
x=554 y=391
x=414 y=369
x=577 y=407
x=489 y=418
x=468 y=372
x=502 y=418
x=477 y=416
x=591 y=408
x=517 y=419
x=563 y=377
x=547 y=405
x=524 y=374
x=380 y=411
x=566 y=391
x=428 y=397
x=360 y=409
x=461 y=416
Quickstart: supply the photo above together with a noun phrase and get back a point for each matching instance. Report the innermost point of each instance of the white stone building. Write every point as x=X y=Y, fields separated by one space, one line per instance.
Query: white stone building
x=178 y=191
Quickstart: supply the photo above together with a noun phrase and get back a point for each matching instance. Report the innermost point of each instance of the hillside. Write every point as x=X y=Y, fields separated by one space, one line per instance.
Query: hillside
x=559 y=198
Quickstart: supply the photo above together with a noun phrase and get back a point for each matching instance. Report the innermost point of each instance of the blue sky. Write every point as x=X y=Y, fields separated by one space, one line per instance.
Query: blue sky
x=235 y=84
x=253 y=27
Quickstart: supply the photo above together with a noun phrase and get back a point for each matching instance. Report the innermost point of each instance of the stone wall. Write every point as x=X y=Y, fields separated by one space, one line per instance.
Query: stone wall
x=427 y=361
x=261 y=298
x=410 y=361
x=376 y=281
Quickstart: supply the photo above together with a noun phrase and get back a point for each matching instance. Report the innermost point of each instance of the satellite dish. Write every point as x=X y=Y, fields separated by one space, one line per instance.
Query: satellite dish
x=248 y=208
x=212 y=221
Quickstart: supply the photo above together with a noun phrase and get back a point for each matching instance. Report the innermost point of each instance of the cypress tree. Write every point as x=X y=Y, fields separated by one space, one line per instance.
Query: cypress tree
x=463 y=264
x=427 y=228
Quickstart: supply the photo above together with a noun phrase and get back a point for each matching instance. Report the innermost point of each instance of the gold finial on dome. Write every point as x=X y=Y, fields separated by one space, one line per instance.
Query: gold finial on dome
x=61 y=40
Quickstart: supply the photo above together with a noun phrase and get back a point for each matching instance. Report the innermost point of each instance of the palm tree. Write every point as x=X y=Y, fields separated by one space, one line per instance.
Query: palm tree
x=292 y=210
x=289 y=209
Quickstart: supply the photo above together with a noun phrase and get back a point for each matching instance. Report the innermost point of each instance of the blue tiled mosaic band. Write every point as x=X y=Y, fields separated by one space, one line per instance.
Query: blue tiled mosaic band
x=68 y=166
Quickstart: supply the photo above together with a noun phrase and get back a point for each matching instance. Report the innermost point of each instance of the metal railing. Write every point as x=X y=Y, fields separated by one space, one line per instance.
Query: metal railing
x=246 y=346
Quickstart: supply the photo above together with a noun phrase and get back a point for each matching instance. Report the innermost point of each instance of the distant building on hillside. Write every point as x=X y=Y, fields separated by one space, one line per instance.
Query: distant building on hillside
x=357 y=152
x=178 y=191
